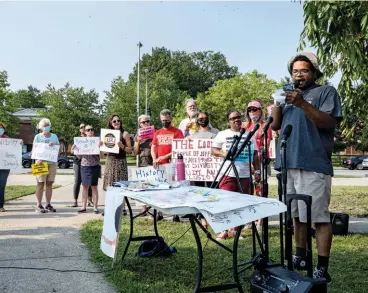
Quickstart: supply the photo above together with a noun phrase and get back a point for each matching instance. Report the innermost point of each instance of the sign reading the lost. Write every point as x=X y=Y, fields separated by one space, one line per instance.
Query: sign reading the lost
x=200 y=165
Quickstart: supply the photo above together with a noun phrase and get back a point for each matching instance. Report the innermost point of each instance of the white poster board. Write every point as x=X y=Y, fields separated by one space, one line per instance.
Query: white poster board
x=11 y=154
x=200 y=165
x=86 y=146
x=112 y=219
x=110 y=138
x=163 y=173
x=45 y=152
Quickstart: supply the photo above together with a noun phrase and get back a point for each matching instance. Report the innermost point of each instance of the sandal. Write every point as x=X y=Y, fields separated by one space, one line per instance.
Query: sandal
x=82 y=211
x=75 y=205
x=2 y=210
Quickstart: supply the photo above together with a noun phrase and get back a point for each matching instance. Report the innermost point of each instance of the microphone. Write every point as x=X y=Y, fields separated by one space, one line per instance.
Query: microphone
x=247 y=139
x=296 y=84
x=234 y=148
x=268 y=123
x=286 y=134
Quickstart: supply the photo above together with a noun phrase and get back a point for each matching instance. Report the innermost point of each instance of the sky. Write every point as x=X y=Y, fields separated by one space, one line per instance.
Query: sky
x=90 y=43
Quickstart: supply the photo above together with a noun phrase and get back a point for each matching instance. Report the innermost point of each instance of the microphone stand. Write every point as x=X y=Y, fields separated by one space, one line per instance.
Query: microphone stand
x=283 y=225
x=265 y=162
x=229 y=157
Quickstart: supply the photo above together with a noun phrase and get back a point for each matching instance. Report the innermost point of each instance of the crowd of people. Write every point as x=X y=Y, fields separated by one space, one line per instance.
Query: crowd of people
x=313 y=110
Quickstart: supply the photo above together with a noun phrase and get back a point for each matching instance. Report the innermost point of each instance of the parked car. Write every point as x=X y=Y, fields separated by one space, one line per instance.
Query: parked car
x=63 y=162
x=365 y=163
x=355 y=162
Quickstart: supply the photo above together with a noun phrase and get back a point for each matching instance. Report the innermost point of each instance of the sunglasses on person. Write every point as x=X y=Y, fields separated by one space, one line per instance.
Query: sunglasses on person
x=116 y=121
x=253 y=109
x=145 y=122
x=89 y=129
x=235 y=118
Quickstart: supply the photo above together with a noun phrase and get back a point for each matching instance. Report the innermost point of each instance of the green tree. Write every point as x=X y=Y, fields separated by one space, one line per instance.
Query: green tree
x=27 y=98
x=6 y=107
x=339 y=31
x=192 y=72
x=67 y=107
x=236 y=93
x=121 y=100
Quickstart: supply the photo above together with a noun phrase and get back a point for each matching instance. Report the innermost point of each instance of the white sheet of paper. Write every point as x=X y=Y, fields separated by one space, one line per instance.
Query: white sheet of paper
x=110 y=138
x=11 y=154
x=45 y=152
x=163 y=173
x=86 y=146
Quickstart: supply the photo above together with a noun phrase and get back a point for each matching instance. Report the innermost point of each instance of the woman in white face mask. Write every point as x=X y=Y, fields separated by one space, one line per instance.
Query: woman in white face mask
x=254 y=115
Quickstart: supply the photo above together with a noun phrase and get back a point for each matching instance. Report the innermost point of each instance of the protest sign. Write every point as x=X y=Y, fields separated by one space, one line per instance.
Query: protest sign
x=146 y=133
x=10 y=154
x=45 y=152
x=163 y=173
x=110 y=138
x=112 y=220
x=86 y=146
x=200 y=165
x=40 y=169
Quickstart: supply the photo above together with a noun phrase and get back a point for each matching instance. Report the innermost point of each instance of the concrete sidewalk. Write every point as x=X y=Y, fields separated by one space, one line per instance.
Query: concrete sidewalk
x=51 y=240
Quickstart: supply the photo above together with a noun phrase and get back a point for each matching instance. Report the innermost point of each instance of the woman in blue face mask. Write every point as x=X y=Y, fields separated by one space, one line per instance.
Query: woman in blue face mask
x=45 y=136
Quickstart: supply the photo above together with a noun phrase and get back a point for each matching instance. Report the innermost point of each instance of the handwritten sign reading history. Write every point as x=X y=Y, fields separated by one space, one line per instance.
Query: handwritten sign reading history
x=200 y=165
x=41 y=169
x=110 y=139
x=10 y=154
x=146 y=133
x=163 y=173
x=45 y=152
x=86 y=146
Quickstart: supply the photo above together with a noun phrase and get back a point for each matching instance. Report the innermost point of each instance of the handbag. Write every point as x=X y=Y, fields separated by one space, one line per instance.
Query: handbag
x=340 y=223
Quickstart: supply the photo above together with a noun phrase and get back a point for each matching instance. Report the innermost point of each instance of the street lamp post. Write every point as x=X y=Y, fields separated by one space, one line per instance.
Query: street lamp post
x=146 y=71
x=140 y=45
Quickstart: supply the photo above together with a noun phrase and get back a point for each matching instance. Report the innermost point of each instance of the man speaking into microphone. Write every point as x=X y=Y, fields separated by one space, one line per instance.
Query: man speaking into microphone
x=313 y=111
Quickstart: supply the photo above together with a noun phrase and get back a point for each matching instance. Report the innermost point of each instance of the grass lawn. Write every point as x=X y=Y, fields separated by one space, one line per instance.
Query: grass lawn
x=177 y=273
x=352 y=200
x=16 y=191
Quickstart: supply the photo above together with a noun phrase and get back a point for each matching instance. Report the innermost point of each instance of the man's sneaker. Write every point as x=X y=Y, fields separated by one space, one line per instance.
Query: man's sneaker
x=40 y=209
x=321 y=272
x=50 y=208
x=299 y=263
x=90 y=203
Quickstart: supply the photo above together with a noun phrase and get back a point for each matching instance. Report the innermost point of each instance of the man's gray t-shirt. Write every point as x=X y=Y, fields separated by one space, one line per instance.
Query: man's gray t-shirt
x=309 y=147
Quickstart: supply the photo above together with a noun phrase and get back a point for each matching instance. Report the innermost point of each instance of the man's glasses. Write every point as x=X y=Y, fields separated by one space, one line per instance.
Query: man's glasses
x=116 y=121
x=89 y=129
x=252 y=109
x=301 y=72
x=235 y=118
x=145 y=122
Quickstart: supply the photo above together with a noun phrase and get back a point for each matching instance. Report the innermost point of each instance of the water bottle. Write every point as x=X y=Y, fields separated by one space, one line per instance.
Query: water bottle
x=180 y=168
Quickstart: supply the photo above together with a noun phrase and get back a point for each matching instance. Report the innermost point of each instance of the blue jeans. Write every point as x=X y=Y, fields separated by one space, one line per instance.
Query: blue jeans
x=3 y=178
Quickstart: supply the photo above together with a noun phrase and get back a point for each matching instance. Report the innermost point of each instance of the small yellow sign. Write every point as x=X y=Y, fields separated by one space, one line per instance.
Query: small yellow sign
x=38 y=170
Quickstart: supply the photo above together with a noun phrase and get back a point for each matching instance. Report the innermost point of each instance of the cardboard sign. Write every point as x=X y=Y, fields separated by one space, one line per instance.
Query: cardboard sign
x=86 y=146
x=147 y=132
x=163 y=173
x=112 y=220
x=200 y=165
x=10 y=154
x=41 y=169
x=45 y=152
x=110 y=138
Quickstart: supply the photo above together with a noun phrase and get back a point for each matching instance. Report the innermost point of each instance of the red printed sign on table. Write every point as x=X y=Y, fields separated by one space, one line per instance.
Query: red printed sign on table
x=146 y=133
x=200 y=165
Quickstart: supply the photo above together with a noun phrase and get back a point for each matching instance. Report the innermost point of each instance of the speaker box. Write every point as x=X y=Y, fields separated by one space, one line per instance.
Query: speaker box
x=340 y=223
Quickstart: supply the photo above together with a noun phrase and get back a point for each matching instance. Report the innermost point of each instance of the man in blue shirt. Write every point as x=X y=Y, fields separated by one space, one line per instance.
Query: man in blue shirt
x=313 y=111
